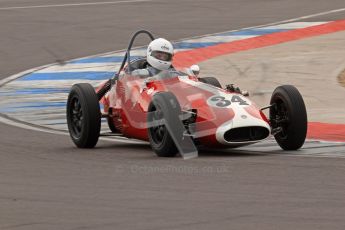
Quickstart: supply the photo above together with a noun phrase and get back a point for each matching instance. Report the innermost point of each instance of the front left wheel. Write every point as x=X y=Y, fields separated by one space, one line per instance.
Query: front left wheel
x=164 y=106
x=288 y=115
x=83 y=115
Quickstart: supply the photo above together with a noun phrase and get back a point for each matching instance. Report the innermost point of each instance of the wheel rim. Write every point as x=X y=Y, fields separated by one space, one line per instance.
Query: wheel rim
x=158 y=132
x=76 y=117
x=281 y=118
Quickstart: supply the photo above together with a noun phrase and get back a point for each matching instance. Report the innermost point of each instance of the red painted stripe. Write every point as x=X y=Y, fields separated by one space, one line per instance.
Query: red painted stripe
x=325 y=131
x=187 y=58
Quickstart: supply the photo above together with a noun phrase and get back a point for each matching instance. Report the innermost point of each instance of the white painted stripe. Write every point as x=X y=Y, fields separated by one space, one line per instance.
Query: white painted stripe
x=24 y=126
x=141 y=51
x=32 y=116
x=49 y=84
x=64 y=127
x=74 y=4
x=29 y=127
x=220 y=38
x=82 y=67
x=180 y=50
x=295 y=25
x=328 y=142
x=53 y=121
x=24 y=98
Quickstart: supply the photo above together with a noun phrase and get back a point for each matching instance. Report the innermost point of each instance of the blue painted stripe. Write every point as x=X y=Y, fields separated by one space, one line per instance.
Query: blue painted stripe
x=253 y=32
x=68 y=76
x=34 y=91
x=56 y=123
x=101 y=59
x=41 y=104
x=33 y=106
x=191 y=45
x=7 y=109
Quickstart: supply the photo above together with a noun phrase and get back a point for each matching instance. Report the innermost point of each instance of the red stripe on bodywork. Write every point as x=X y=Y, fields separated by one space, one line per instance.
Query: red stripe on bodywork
x=190 y=57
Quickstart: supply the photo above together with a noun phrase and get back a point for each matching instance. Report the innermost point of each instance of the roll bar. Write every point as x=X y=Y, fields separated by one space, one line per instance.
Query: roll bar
x=107 y=86
x=127 y=55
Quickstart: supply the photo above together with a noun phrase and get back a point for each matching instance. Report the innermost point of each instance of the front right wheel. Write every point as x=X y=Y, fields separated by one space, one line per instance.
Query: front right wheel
x=288 y=116
x=83 y=115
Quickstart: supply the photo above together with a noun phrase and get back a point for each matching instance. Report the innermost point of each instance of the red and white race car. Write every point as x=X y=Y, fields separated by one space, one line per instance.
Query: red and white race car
x=178 y=112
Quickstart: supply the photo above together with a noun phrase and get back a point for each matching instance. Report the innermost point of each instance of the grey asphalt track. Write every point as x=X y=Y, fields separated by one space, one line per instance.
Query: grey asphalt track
x=46 y=183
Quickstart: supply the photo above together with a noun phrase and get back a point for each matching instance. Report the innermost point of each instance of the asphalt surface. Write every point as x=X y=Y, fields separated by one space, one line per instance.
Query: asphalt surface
x=46 y=183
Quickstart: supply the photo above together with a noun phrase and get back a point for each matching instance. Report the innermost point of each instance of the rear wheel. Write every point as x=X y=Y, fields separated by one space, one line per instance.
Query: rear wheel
x=211 y=81
x=83 y=115
x=163 y=105
x=289 y=117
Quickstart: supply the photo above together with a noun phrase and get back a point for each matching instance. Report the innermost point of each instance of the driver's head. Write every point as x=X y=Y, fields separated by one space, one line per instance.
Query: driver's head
x=159 y=54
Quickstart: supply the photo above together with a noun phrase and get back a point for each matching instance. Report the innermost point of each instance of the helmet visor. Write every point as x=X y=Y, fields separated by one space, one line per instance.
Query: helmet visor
x=160 y=55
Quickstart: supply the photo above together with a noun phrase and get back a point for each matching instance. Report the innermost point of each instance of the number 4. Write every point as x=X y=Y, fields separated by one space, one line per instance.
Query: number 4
x=237 y=99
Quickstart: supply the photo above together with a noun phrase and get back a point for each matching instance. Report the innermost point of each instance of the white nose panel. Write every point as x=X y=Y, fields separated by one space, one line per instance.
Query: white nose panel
x=241 y=119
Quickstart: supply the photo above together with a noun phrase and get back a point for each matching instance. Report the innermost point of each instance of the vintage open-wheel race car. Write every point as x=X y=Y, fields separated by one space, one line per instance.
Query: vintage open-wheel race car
x=178 y=112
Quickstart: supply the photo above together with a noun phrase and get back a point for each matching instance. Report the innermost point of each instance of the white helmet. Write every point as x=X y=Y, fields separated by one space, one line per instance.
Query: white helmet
x=159 y=54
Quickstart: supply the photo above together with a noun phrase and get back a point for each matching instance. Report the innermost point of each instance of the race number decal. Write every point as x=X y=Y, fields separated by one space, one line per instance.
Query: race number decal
x=238 y=99
x=222 y=102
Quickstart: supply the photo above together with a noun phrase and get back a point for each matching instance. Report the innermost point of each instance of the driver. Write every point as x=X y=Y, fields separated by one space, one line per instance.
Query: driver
x=159 y=56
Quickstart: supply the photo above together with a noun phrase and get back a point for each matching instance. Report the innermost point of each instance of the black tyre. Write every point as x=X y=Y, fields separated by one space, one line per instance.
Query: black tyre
x=111 y=123
x=211 y=81
x=163 y=105
x=289 y=114
x=83 y=115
